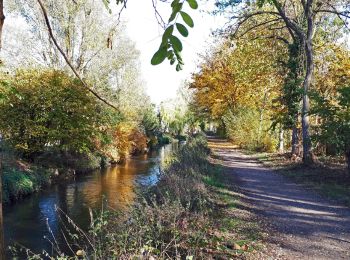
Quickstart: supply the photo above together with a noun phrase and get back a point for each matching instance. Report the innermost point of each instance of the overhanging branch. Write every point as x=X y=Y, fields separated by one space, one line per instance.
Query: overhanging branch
x=67 y=60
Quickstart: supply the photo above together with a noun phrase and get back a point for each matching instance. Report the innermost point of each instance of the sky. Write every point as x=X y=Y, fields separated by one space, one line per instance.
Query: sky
x=162 y=81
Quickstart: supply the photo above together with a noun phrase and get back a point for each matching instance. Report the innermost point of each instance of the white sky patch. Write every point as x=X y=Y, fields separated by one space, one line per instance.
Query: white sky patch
x=163 y=80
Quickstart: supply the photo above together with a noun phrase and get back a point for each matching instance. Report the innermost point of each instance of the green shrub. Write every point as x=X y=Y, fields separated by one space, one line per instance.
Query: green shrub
x=164 y=139
x=18 y=184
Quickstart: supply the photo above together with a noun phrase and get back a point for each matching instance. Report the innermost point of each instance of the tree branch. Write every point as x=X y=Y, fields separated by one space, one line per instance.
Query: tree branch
x=290 y=24
x=67 y=60
x=258 y=25
x=247 y=17
x=344 y=14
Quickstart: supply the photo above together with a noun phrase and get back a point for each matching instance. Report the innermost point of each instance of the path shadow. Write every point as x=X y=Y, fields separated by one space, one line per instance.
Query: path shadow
x=292 y=210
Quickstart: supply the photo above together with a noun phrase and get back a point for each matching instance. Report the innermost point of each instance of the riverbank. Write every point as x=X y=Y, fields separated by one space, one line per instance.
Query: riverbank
x=21 y=179
x=194 y=211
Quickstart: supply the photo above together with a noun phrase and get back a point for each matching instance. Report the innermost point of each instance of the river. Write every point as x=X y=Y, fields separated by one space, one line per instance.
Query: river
x=26 y=222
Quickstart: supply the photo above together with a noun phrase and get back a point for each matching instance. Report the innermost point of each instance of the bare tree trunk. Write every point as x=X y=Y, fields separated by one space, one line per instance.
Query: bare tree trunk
x=307 y=146
x=281 y=141
x=261 y=117
x=295 y=141
x=2 y=245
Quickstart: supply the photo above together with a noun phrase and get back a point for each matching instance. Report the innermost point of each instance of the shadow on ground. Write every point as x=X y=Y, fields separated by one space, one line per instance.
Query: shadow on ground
x=305 y=225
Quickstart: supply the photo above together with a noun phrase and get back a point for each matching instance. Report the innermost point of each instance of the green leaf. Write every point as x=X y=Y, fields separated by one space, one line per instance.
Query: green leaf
x=167 y=33
x=106 y=3
x=159 y=56
x=193 y=4
x=176 y=43
x=172 y=17
x=182 y=29
x=175 y=2
x=170 y=54
x=187 y=19
x=179 y=57
x=176 y=9
x=178 y=67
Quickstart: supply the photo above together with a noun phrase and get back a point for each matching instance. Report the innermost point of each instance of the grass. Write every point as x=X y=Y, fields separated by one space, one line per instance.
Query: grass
x=20 y=179
x=327 y=177
x=192 y=213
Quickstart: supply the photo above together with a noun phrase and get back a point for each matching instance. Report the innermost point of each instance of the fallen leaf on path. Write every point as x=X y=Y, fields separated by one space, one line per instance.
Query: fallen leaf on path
x=244 y=248
x=236 y=246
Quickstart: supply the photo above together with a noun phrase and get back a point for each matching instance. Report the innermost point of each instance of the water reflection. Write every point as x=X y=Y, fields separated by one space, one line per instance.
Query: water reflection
x=26 y=222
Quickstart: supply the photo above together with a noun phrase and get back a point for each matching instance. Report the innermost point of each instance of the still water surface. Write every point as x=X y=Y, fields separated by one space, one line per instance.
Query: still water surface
x=27 y=221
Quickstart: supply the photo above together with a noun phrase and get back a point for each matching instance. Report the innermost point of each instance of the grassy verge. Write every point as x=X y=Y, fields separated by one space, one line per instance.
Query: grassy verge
x=328 y=176
x=192 y=213
x=20 y=179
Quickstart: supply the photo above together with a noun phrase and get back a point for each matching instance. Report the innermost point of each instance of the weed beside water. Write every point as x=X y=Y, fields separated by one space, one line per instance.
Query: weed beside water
x=184 y=216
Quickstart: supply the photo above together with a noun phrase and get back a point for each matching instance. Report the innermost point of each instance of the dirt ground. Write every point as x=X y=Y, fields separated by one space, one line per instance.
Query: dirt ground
x=301 y=224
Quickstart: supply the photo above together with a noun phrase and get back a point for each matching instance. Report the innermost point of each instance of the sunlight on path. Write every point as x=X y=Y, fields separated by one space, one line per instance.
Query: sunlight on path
x=304 y=225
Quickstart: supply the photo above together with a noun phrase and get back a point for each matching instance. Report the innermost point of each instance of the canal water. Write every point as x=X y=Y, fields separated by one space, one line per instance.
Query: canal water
x=29 y=221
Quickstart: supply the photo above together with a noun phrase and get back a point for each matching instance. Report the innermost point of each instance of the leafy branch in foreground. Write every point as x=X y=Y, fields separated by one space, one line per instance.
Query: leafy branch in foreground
x=171 y=45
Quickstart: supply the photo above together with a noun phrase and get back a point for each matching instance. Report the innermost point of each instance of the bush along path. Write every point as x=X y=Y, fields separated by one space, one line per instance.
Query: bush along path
x=192 y=213
x=303 y=224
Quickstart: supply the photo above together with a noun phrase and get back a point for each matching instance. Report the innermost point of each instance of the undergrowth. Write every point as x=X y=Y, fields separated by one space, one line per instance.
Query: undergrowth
x=20 y=183
x=182 y=217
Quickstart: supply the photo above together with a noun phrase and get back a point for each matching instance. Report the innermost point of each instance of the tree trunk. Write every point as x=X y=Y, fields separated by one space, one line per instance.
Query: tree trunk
x=2 y=20
x=2 y=245
x=295 y=141
x=347 y=155
x=307 y=146
x=261 y=117
x=281 y=141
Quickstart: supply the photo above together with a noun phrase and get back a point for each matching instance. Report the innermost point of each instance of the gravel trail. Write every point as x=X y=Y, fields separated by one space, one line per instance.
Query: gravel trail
x=305 y=225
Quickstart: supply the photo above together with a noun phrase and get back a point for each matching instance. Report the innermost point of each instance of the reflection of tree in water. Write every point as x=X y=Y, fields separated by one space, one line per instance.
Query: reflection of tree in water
x=115 y=184
x=25 y=222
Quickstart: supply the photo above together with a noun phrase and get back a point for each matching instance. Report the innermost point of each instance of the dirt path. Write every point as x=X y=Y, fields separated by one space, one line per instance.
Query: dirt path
x=305 y=226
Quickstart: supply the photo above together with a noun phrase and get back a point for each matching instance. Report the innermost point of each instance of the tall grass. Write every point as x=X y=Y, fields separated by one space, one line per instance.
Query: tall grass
x=171 y=220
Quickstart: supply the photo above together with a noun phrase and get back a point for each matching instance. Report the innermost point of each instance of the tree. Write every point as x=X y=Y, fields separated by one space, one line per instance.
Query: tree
x=300 y=18
x=335 y=127
x=239 y=80
x=47 y=109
